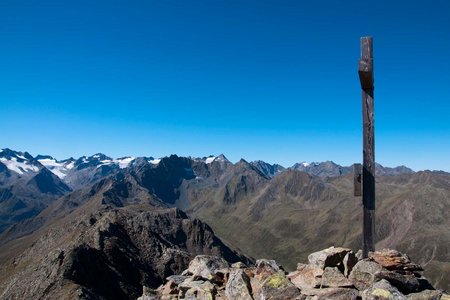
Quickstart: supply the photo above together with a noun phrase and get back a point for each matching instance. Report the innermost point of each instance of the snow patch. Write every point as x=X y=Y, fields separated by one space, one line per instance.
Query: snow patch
x=210 y=159
x=155 y=161
x=58 y=172
x=55 y=167
x=70 y=165
x=18 y=167
x=124 y=162
x=47 y=162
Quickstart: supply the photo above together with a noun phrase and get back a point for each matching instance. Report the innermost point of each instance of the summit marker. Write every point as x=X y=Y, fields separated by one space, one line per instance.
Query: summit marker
x=366 y=78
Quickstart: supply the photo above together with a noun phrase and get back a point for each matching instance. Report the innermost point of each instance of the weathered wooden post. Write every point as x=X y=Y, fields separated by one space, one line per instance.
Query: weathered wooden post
x=365 y=71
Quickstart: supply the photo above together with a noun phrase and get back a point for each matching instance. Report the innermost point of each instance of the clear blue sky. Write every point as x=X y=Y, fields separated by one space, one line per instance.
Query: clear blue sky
x=272 y=80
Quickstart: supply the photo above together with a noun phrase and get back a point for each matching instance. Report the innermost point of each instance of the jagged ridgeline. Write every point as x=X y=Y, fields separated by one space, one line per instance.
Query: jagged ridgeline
x=134 y=221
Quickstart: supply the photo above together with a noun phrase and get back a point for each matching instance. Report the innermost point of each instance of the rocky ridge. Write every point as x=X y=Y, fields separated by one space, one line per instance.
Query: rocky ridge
x=333 y=273
x=102 y=243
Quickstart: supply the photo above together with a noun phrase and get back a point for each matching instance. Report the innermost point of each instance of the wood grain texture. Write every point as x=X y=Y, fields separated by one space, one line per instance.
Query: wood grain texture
x=365 y=71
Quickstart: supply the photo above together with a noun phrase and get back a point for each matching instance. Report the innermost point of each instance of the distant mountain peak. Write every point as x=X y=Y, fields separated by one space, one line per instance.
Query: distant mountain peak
x=8 y=154
x=19 y=162
x=124 y=162
x=270 y=170
x=331 y=169
x=70 y=159
x=40 y=157
x=99 y=156
x=305 y=164
x=322 y=169
x=387 y=171
x=219 y=158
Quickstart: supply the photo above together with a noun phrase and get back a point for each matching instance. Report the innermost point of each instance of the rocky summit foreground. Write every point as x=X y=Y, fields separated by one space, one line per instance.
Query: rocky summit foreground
x=333 y=273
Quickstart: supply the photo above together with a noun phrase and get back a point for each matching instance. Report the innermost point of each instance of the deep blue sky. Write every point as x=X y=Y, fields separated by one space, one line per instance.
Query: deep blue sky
x=272 y=80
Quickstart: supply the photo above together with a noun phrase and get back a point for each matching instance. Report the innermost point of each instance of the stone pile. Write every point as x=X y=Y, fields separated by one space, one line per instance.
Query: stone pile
x=333 y=273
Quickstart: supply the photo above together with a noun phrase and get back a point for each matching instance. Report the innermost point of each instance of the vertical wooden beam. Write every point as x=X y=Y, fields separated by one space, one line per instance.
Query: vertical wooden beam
x=365 y=70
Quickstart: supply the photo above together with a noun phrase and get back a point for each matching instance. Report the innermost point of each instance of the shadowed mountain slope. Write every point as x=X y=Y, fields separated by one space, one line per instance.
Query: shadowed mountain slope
x=105 y=242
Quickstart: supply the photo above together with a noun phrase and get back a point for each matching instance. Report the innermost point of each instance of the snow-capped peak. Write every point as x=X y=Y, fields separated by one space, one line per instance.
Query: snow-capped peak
x=18 y=162
x=19 y=166
x=220 y=158
x=8 y=154
x=59 y=168
x=124 y=162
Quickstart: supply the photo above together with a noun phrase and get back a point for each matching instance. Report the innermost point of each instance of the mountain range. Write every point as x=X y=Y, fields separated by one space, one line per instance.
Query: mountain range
x=28 y=184
x=105 y=210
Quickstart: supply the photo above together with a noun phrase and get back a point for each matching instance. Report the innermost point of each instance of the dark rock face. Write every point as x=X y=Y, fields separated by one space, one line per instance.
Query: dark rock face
x=113 y=254
x=164 y=179
x=3 y=168
x=48 y=183
x=405 y=283
x=267 y=169
x=349 y=262
x=91 y=269
x=24 y=196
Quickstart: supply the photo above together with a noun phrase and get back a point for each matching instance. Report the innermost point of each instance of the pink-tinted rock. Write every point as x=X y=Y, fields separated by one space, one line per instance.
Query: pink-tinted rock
x=306 y=276
x=394 y=260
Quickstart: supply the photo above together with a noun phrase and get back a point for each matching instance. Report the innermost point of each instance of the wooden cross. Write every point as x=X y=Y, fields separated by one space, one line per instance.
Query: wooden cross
x=365 y=71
